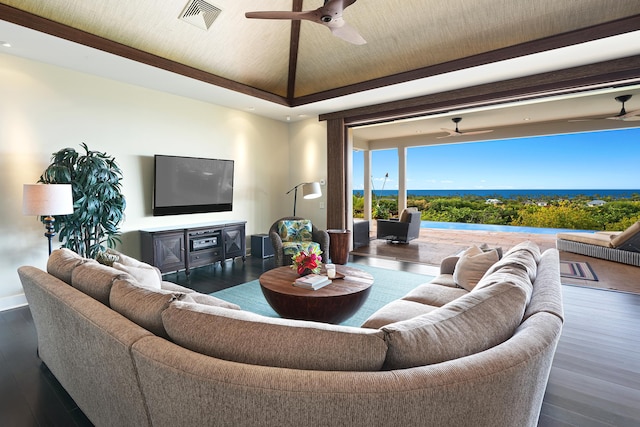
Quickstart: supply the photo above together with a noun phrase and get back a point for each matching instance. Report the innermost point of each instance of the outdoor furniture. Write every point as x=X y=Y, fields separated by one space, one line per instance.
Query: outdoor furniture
x=360 y=233
x=401 y=230
x=292 y=234
x=618 y=246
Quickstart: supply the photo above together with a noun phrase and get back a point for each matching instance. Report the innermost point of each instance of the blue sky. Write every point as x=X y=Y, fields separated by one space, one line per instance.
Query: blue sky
x=594 y=160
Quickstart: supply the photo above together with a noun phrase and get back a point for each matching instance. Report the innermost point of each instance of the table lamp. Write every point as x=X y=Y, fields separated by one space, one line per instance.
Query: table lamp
x=47 y=200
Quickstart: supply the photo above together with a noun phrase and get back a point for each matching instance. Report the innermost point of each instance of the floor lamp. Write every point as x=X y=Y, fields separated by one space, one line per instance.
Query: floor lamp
x=310 y=190
x=47 y=200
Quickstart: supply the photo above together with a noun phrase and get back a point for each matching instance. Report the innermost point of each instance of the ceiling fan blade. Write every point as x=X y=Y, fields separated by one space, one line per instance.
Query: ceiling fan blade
x=311 y=16
x=346 y=32
x=329 y=15
x=628 y=117
x=477 y=132
x=450 y=132
x=459 y=133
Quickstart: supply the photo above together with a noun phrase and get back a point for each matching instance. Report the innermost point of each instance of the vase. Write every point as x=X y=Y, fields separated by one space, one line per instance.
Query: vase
x=306 y=272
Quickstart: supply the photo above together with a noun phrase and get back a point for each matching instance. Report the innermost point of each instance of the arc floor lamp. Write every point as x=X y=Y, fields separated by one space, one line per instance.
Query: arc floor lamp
x=310 y=190
x=47 y=200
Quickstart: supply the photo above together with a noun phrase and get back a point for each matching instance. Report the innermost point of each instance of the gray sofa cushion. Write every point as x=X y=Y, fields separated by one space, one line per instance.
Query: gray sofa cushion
x=434 y=294
x=249 y=338
x=525 y=256
x=396 y=311
x=470 y=324
x=61 y=263
x=142 y=305
x=197 y=297
x=96 y=279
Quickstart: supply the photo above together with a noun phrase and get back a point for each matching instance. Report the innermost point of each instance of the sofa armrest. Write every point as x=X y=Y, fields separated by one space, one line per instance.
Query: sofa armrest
x=448 y=265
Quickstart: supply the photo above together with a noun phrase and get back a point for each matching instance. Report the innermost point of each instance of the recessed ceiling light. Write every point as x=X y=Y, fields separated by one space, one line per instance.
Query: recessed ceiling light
x=5 y=44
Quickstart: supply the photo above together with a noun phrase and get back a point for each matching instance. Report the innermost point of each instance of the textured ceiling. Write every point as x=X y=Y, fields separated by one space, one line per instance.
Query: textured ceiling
x=414 y=49
x=402 y=35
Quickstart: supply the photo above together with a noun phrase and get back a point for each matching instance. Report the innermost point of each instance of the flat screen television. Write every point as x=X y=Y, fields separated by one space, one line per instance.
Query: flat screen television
x=187 y=185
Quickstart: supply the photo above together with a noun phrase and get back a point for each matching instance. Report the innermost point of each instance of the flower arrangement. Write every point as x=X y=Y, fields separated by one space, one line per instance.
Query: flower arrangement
x=306 y=262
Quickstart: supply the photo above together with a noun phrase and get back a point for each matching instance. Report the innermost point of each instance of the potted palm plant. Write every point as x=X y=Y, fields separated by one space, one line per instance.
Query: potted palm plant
x=98 y=202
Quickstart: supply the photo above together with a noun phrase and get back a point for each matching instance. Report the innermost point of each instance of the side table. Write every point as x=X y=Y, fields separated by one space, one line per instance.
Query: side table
x=339 y=245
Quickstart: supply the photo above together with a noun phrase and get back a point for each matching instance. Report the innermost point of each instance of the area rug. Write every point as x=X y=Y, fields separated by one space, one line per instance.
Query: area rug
x=577 y=270
x=388 y=285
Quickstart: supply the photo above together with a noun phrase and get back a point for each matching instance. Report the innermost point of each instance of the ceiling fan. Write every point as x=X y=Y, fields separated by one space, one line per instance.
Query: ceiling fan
x=457 y=132
x=622 y=115
x=329 y=15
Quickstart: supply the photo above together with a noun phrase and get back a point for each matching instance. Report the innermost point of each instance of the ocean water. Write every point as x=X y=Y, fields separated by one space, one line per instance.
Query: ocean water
x=508 y=194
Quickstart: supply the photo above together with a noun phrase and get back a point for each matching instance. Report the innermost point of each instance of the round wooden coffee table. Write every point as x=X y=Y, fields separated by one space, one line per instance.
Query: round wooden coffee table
x=333 y=303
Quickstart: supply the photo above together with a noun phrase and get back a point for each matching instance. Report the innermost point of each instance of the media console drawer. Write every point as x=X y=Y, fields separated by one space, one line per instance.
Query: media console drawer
x=204 y=257
x=173 y=249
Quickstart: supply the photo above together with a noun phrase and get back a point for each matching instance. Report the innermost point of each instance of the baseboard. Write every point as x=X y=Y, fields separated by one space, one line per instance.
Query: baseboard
x=14 y=301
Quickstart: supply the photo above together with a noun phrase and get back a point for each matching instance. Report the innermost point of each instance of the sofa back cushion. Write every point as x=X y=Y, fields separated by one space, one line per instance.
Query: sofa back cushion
x=525 y=256
x=96 y=280
x=472 y=323
x=143 y=305
x=246 y=337
x=62 y=262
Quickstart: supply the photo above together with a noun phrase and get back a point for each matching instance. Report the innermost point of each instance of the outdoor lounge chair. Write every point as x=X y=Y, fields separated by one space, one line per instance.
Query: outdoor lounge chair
x=619 y=246
x=401 y=230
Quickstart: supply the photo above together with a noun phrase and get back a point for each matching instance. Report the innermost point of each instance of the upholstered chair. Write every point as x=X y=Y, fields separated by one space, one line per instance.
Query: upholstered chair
x=291 y=234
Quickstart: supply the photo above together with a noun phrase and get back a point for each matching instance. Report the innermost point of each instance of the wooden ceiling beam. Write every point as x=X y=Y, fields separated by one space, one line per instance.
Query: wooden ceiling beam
x=571 y=38
x=294 y=45
x=614 y=73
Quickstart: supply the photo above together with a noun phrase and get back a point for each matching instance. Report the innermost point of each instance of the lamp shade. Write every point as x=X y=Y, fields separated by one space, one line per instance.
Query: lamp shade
x=47 y=199
x=311 y=190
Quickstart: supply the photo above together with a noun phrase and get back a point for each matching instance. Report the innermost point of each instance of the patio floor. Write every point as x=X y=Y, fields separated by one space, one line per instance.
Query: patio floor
x=435 y=244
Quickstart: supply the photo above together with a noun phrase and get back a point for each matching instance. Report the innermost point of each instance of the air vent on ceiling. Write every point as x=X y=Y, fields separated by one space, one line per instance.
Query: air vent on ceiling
x=200 y=13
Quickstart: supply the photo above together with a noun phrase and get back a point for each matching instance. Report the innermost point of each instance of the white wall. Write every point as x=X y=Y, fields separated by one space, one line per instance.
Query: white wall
x=45 y=108
x=308 y=163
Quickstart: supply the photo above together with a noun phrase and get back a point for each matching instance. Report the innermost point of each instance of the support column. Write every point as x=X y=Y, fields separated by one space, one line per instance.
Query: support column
x=402 y=178
x=336 y=174
x=367 y=185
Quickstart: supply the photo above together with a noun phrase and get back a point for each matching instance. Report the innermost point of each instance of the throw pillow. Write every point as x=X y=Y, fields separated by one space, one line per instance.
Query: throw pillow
x=472 y=266
x=106 y=258
x=146 y=276
x=298 y=230
x=404 y=216
x=618 y=240
x=198 y=298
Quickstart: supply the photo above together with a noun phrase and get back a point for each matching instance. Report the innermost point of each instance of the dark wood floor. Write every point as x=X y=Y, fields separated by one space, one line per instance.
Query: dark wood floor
x=595 y=378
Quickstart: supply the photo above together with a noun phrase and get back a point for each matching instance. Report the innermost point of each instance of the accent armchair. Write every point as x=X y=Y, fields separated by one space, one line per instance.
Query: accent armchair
x=401 y=230
x=292 y=234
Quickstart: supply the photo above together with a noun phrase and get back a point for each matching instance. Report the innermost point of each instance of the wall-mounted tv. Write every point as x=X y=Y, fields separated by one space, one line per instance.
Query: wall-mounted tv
x=186 y=185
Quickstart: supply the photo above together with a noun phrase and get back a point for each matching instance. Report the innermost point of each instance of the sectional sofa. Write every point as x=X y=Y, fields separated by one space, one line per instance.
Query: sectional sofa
x=133 y=350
